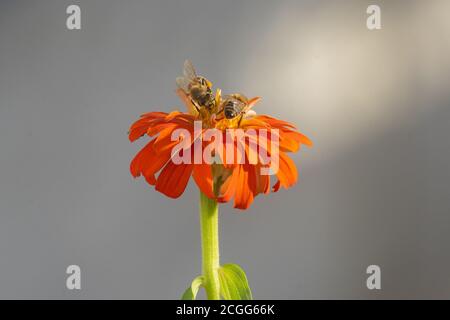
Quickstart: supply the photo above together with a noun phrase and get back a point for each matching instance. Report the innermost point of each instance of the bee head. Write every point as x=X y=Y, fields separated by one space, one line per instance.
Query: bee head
x=204 y=82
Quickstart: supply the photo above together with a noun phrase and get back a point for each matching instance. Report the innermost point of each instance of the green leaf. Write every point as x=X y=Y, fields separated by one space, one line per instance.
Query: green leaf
x=192 y=290
x=233 y=283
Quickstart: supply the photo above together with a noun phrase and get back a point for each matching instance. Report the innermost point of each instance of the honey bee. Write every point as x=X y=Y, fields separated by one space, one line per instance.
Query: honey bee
x=235 y=107
x=196 y=89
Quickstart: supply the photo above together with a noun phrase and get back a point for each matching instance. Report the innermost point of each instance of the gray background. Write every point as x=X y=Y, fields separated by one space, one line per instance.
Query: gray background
x=373 y=190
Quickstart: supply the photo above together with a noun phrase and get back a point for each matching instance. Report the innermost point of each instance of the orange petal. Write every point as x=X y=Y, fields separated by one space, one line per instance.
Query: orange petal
x=287 y=171
x=243 y=197
x=251 y=102
x=273 y=122
x=153 y=115
x=262 y=181
x=173 y=179
x=276 y=186
x=140 y=127
x=202 y=175
x=136 y=165
x=147 y=162
x=228 y=188
x=292 y=139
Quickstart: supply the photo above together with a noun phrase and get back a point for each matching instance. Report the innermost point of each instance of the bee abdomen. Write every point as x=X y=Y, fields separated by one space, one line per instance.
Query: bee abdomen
x=230 y=112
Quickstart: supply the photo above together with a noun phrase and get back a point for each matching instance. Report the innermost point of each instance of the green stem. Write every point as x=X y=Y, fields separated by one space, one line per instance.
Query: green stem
x=209 y=224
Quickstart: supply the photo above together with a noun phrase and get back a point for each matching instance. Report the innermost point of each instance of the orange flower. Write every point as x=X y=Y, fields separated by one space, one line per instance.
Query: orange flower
x=242 y=181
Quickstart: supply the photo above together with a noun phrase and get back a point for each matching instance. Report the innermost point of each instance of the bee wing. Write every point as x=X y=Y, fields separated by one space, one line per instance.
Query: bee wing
x=182 y=83
x=189 y=71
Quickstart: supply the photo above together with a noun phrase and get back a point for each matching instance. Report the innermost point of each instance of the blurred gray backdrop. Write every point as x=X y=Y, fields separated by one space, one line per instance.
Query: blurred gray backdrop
x=373 y=190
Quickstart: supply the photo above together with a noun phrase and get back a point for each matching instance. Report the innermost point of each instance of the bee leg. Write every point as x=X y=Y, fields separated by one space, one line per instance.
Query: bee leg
x=195 y=105
x=240 y=119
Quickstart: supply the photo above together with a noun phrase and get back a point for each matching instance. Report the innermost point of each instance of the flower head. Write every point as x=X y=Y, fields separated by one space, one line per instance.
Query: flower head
x=242 y=162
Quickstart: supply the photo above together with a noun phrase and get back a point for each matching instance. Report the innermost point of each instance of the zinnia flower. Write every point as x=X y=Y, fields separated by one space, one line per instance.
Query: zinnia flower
x=243 y=182
x=223 y=168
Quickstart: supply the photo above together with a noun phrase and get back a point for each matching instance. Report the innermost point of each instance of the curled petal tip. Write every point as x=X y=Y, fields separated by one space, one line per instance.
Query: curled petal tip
x=253 y=101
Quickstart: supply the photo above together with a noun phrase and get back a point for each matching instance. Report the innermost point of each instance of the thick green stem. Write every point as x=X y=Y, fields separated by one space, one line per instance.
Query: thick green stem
x=209 y=224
